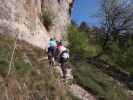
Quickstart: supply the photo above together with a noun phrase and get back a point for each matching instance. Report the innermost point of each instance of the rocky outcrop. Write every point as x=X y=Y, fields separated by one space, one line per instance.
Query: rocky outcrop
x=81 y=93
x=73 y=88
x=21 y=18
x=61 y=10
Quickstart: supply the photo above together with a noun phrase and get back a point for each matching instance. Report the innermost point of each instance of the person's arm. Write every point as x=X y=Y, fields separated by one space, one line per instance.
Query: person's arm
x=48 y=44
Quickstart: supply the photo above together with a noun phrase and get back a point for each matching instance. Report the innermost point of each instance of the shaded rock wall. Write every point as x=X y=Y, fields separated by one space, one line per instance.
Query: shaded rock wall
x=61 y=11
x=21 y=18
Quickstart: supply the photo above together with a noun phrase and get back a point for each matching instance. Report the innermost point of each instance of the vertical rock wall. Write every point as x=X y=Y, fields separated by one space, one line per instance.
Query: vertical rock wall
x=21 y=18
x=61 y=10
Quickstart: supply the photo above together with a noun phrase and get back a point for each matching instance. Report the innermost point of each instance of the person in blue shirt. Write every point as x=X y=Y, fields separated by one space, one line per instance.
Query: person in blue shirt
x=51 y=50
x=52 y=43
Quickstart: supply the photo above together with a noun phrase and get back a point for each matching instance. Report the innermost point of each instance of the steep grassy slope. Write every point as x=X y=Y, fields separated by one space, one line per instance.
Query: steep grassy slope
x=86 y=51
x=95 y=81
x=29 y=78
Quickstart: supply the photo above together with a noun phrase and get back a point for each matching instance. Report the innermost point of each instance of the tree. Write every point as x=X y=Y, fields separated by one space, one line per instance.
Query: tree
x=117 y=18
x=84 y=26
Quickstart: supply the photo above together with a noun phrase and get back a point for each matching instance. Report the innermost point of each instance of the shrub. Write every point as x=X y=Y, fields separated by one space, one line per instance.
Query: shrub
x=77 y=40
x=122 y=57
x=80 y=44
x=96 y=82
x=47 y=18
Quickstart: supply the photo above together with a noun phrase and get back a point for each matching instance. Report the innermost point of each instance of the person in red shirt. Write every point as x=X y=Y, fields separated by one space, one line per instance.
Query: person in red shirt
x=62 y=55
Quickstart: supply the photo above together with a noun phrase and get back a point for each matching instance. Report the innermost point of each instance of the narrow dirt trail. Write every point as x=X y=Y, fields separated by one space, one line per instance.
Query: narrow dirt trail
x=81 y=93
x=75 y=89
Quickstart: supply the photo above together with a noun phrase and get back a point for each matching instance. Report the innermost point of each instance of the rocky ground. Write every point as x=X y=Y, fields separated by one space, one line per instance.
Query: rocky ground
x=75 y=89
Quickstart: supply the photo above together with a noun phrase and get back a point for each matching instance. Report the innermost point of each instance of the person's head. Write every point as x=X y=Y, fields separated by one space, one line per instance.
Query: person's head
x=60 y=43
x=51 y=39
x=57 y=42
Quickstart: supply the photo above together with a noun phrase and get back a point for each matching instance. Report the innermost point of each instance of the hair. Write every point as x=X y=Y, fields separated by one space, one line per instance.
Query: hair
x=51 y=39
x=59 y=43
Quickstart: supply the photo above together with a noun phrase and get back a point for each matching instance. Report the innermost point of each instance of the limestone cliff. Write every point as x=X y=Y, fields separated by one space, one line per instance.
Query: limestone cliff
x=61 y=10
x=21 y=18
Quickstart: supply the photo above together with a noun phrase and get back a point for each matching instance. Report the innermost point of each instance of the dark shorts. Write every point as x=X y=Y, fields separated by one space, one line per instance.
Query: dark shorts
x=63 y=66
x=51 y=52
x=63 y=60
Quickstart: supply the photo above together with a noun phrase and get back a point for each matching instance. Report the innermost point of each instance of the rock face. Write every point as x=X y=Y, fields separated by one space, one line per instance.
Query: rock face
x=21 y=18
x=61 y=9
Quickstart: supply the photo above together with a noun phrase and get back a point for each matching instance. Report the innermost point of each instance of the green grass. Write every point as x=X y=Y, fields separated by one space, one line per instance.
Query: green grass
x=72 y=96
x=26 y=69
x=47 y=18
x=5 y=53
x=88 y=76
x=97 y=82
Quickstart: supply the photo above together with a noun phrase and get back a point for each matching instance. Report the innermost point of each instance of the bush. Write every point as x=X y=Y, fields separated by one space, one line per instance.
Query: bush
x=96 y=82
x=47 y=18
x=77 y=40
x=80 y=44
x=122 y=57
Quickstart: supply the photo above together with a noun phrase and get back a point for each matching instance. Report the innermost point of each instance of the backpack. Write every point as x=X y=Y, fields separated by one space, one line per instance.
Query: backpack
x=65 y=54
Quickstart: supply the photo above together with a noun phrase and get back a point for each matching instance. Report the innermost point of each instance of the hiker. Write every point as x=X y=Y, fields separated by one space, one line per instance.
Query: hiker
x=63 y=55
x=51 y=50
x=57 y=50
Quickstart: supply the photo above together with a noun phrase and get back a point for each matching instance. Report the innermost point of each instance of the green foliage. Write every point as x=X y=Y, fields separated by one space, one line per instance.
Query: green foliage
x=34 y=77
x=90 y=77
x=118 y=52
x=122 y=56
x=21 y=66
x=47 y=18
x=4 y=61
x=80 y=43
x=97 y=82
x=5 y=53
x=72 y=96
